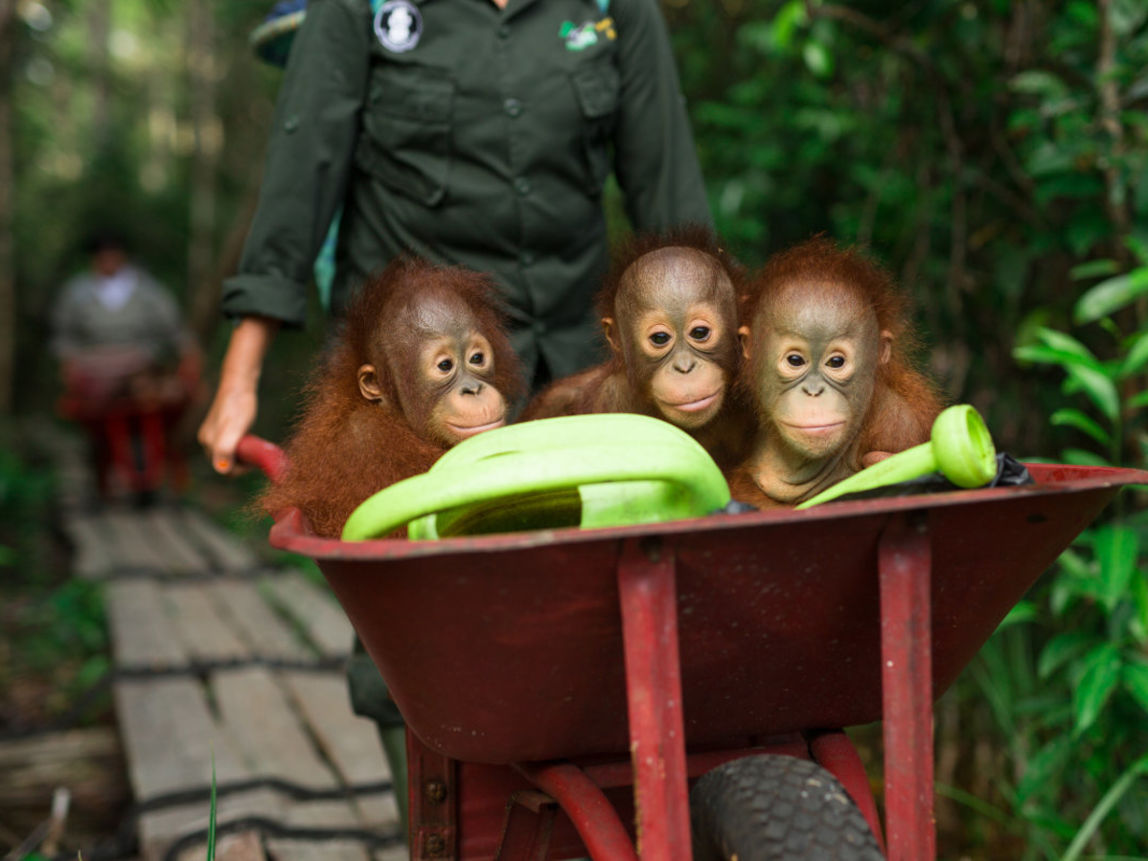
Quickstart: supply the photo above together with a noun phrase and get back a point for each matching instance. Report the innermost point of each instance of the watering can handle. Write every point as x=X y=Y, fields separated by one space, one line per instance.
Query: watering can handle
x=258 y=452
x=525 y=471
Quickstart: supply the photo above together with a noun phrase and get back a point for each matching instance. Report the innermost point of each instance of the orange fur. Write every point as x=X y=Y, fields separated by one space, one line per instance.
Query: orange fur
x=346 y=448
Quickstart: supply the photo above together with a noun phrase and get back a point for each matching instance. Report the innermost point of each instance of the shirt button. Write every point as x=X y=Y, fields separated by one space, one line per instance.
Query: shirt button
x=291 y=123
x=513 y=107
x=504 y=31
x=522 y=185
x=526 y=258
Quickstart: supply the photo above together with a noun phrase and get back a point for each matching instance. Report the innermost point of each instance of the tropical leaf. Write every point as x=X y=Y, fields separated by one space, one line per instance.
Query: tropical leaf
x=1023 y=611
x=1134 y=678
x=1136 y=358
x=1061 y=649
x=1103 y=808
x=1094 y=269
x=1140 y=601
x=1038 y=83
x=1083 y=423
x=1111 y=295
x=1102 y=669
x=1045 y=766
x=1061 y=341
x=1117 y=549
x=1081 y=457
x=1099 y=389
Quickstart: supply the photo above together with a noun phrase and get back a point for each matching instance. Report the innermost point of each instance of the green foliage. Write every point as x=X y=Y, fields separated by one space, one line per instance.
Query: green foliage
x=1075 y=703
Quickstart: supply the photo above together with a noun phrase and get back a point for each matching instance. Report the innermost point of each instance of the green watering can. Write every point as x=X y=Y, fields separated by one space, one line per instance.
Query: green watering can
x=589 y=471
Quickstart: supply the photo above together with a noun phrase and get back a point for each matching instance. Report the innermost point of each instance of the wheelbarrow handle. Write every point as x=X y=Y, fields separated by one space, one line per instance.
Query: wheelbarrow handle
x=258 y=452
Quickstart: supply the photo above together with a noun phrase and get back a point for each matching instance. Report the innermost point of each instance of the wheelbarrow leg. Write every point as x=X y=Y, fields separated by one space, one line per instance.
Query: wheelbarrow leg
x=904 y=561
x=649 y=604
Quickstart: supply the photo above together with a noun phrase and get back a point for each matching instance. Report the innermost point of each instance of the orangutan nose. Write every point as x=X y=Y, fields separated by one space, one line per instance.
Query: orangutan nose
x=473 y=388
x=685 y=364
x=813 y=388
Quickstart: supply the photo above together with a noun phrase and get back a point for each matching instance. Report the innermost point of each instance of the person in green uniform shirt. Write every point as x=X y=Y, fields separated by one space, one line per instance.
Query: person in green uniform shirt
x=471 y=132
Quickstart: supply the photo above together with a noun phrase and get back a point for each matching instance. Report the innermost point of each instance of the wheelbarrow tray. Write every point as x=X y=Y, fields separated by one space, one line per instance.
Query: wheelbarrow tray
x=508 y=648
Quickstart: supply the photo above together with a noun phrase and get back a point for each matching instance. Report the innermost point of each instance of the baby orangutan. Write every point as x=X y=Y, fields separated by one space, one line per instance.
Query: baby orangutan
x=422 y=363
x=826 y=369
x=669 y=310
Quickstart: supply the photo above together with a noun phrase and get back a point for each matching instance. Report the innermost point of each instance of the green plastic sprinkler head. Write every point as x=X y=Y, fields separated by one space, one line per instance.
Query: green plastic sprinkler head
x=960 y=448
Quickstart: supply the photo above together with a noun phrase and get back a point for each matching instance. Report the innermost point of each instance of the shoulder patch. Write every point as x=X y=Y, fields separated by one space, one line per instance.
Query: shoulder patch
x=398 y=25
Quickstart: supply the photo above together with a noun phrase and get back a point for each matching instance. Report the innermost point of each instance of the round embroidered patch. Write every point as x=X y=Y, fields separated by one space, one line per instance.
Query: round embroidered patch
x=399 y=25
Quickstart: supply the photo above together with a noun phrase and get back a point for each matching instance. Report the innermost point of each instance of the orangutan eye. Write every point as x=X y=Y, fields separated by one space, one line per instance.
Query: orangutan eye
x=795 y=360
x=836 y=362
x=700 y=333
x=660 y=339
x=477 y=359
x=445 y=365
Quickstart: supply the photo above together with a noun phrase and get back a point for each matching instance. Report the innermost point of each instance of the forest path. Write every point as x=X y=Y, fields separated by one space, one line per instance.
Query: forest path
x=223 y=662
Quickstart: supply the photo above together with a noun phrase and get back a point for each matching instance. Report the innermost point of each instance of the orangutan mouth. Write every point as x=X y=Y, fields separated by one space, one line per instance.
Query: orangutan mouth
x=471 y=430
x=698 y=405
x=816 y=430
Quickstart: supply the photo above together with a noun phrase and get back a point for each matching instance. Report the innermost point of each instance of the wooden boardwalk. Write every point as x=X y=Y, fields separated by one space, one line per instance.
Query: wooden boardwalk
x=219 y=658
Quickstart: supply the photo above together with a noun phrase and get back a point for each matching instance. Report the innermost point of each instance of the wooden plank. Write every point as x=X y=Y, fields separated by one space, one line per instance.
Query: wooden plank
x=316 y=610
x=257 y=714
x=277 y=744
x=393 y=853
x=350 y=743
x=245 y=846
x=256 y=623
x=141 y=627
x=167 y=526
x=170 y=736
x=335 y=850
x=135 y=546
x=198 y=622
x=227 y=552
x=95 y=548
x=171 y=743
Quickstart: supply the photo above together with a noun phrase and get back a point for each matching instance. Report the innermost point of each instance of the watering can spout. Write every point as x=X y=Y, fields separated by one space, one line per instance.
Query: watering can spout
x=960 y=448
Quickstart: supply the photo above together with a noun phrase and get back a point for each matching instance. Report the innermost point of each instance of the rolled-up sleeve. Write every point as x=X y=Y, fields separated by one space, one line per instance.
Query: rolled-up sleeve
x=316 y=123
x=655 y=160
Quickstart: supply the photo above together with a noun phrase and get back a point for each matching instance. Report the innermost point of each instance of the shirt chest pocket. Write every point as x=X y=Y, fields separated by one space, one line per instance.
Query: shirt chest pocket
x=596 y=88
x=406 y=137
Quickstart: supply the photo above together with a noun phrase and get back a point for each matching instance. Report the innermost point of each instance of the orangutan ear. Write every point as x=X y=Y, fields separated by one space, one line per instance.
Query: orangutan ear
x=886 y=347
x=369 y=385
x=743 y=339
x=610 y=330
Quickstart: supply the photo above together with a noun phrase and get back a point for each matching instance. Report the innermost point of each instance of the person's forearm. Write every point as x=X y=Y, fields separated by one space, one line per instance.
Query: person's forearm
x=243 y=362
x=236 y=400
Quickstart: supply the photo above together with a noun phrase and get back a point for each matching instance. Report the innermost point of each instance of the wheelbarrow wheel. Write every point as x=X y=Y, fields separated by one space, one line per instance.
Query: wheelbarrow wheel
x=776 y=808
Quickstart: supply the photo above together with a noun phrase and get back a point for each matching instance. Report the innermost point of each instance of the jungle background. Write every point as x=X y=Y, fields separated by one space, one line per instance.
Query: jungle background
x=993 y=154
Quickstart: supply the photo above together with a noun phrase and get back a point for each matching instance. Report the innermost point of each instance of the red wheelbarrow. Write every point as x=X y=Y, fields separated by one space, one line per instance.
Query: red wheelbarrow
x=129 y=410
x=562 y=687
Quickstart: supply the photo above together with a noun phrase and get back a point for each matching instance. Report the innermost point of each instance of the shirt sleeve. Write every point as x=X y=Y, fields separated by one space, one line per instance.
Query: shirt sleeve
x=315 y=126
x=654 y=156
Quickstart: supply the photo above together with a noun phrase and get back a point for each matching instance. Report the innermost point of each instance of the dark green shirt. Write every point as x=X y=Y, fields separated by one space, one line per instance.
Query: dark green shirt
x=474 y=136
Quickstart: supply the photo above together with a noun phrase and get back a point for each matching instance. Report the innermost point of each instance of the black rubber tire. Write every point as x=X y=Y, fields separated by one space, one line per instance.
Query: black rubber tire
x=770 y=808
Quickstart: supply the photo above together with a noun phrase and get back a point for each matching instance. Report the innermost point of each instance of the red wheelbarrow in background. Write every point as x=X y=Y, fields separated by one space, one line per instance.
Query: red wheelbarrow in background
x=599 y=671
x=129 y=410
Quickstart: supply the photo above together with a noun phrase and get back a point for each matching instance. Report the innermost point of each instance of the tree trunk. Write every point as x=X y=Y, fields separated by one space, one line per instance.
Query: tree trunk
x=208 y=142
x=7 y=175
